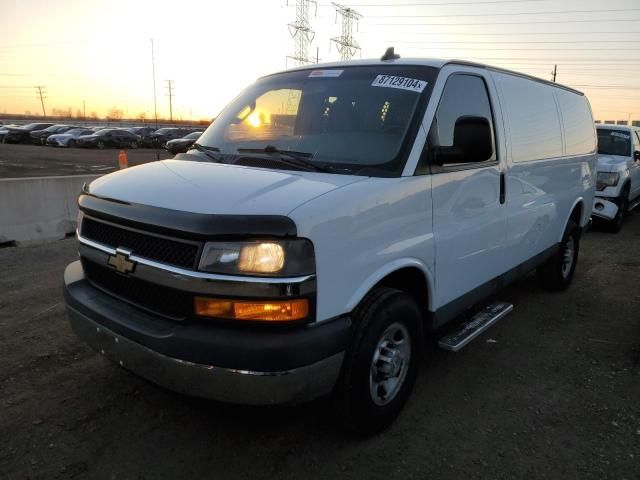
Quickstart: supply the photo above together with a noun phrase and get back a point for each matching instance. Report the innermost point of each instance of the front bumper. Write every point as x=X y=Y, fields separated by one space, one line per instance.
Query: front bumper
x=605 y=208
x=257 y=366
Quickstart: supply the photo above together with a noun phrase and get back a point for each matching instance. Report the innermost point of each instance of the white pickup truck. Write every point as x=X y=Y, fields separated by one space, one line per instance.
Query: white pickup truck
x=328 y=219
x=618 y=185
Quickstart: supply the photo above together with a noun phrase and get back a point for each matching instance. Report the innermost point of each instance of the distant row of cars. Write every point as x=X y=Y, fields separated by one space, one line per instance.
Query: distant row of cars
x=174 y=139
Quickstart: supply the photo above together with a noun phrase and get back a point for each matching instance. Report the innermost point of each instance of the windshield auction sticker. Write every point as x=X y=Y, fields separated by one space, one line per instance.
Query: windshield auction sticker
x=626 y=136
x=403 y=83
x=325 y=73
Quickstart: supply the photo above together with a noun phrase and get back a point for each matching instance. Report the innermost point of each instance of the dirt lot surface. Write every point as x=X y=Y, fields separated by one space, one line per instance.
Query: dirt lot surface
x=40 y=161
x=552 y=391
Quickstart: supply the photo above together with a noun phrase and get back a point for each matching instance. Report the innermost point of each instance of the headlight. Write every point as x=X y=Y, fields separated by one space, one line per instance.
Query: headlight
x=280 y=258
x=607 y=179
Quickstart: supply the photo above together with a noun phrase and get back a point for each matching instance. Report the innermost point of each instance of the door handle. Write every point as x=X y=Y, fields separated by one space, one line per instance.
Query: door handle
x=502 y=188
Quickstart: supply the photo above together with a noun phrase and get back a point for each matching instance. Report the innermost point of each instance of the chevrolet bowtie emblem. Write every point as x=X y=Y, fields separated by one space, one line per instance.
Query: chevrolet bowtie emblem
x=120 y=261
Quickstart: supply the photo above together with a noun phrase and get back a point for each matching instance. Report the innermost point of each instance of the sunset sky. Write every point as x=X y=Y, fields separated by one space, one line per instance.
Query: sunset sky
x=100 y=51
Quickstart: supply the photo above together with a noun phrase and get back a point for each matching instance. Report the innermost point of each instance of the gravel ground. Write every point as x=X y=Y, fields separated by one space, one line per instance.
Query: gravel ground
x=40 y=161
x=552 y=391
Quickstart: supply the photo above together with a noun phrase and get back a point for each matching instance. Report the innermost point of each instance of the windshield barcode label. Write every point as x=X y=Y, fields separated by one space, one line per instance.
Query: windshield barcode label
x=403 y=83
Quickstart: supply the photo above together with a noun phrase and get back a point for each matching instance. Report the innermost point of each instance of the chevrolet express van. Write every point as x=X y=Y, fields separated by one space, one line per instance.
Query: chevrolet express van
x=330 y=218
x=618 y=174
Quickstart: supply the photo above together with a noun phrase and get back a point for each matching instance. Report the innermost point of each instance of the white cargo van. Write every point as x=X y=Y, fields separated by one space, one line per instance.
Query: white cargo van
x=618 y=174
x=329 y=218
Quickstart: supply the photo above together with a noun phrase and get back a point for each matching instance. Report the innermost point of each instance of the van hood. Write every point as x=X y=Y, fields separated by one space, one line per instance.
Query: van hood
x=611 y=163
x=214 y=188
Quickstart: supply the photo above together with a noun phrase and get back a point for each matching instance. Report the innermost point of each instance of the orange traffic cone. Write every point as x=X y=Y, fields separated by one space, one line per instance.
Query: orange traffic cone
x=122 y=159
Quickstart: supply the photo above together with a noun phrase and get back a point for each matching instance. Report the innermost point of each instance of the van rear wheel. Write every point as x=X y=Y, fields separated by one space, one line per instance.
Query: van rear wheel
x=382 y=362
x=557 y=273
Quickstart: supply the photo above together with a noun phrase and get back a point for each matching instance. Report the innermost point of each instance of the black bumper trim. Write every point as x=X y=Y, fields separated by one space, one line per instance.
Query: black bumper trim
x=243 y=347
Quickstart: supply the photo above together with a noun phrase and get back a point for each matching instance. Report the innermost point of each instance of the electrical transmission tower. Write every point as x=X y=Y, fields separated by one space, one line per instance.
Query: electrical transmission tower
x=170 y=93
x=40 y=92
x=301 y=32
x=346 y=44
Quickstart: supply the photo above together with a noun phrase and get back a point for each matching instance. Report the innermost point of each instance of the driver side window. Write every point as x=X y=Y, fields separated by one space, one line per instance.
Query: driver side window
x=464 y=97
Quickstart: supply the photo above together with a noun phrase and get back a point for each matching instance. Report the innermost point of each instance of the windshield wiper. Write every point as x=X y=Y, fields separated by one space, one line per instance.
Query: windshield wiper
x=206 y=150
x=291 y=158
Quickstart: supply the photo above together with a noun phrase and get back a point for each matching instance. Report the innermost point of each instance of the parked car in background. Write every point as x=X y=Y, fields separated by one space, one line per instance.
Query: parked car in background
x=160 y=137
x=109 y=137
x=22 y=134
x=618 y=186
x=142 y=132
x=399 y=195
x=39 y=137
x=68 y=138
x=181 y=145
x=3 y=130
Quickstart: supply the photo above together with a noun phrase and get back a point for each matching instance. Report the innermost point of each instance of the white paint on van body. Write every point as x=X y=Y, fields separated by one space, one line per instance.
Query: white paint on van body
x=451 y=226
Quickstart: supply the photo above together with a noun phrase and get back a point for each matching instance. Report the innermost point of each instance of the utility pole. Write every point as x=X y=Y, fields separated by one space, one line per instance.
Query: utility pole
x=41 y=91
x=301 y=32
x=346 y=44
x=170 y=94
x=553 y=74
x=84 y=111
x=153 y=73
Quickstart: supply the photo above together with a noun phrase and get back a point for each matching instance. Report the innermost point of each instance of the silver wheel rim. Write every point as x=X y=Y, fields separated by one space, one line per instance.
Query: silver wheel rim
x=389 y=364
x=567 y=257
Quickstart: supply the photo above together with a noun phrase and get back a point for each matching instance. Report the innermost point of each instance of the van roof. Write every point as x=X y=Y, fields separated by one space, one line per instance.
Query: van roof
x=427 y=62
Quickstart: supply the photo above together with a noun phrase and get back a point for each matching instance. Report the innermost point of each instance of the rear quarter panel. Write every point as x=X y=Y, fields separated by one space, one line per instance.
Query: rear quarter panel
x=551 y=146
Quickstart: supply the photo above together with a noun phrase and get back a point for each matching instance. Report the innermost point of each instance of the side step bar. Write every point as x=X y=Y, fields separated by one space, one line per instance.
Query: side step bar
x=480 y=322
x=633 y=205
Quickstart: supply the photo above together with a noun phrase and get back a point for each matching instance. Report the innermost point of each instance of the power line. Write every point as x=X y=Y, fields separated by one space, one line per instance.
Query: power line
x=500 y=14
x=530 y=22
x=528 y=34
x=494 y=42
x=434 y=4
x=346 y=44
x=519 y=49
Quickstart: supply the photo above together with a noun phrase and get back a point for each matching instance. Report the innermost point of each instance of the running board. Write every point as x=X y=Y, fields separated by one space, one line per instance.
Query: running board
x=480 y=322
x=633 y=205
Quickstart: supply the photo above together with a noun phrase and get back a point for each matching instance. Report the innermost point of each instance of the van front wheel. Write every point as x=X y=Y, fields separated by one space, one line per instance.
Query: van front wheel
x=557 y=273
x=381 y=364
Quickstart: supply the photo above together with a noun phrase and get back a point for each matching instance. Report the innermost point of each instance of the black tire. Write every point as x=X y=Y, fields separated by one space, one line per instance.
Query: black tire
x=133 y=145
x=383 y=311
x=100 y=145
x=556 y=274
x=71 y=143
x=615 y=225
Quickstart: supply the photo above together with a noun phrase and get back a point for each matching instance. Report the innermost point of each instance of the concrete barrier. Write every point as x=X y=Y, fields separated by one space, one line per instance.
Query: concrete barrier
x=39 y=209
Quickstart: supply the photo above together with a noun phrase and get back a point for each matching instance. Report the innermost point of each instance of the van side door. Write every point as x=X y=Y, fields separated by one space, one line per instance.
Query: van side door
x=468 y=197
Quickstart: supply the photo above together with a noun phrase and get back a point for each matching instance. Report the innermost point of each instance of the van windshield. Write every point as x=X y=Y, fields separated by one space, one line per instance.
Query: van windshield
x=614 y=142
x=353 y=119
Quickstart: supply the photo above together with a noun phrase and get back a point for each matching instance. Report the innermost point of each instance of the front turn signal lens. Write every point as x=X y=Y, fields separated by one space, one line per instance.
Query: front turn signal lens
x=267 y=311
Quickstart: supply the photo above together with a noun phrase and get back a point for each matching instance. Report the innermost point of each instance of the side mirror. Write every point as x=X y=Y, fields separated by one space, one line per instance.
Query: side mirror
x=472 y=142
x=636 y=156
